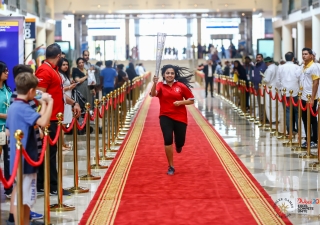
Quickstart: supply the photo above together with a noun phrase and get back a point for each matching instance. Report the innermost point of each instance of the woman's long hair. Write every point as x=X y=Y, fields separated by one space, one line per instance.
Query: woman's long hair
x=241 y=70
x=67 y=73
x=3 y=67
x=182 y=74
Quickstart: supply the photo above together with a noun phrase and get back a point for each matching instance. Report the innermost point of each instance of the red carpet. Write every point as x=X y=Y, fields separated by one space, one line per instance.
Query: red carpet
x=210 y=186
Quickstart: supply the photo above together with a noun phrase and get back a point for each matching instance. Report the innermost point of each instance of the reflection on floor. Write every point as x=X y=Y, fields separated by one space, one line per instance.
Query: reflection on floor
x=278 y=169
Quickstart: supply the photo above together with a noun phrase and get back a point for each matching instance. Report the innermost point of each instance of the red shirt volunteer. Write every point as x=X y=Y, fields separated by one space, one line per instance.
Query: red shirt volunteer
x=50 y=79
x=168 y=95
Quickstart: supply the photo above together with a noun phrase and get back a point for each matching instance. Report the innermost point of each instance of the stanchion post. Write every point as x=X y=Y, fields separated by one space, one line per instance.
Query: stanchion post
x=97 y=157
x=290 y=143
x=299 y=148
x=88 y=176
x=284 y=135
x=76 y=188
x=18 y=135
x=263 y=125
x=257 y=121
x=268 y=127
x=308 y=154
x=252 y=103
x=60 y=207
x=46 y=184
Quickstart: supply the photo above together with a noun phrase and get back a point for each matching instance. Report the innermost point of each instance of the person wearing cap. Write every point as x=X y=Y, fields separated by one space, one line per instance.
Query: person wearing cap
x=260 y=68
x=309 y=82
x=270 y=79
x=288 y=78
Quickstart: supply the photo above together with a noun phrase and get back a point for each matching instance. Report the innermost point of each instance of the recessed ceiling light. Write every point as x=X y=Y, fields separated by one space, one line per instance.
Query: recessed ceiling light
x=98 y=6
x=195 y=5
x=226 y=5
x=254 y=9
x=218 y=10
x=243 y=14
x=73 y=12
x=82 y=16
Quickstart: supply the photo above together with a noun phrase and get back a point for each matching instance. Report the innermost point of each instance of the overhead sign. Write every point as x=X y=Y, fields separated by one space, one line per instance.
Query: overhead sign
x=30 y=28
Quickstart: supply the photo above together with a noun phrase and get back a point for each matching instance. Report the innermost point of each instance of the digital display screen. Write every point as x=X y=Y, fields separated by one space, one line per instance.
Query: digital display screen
x=11 y=44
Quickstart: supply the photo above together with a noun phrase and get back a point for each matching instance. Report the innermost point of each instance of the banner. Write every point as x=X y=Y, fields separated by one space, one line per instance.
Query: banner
x=11 y=44
x=30 y=28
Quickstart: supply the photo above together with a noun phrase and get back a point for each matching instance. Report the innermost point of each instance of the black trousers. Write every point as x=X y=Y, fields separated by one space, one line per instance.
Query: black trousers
x=313 y=121
x=6 y=166
x=209 y=81
x=170 y=127
x=53 y=162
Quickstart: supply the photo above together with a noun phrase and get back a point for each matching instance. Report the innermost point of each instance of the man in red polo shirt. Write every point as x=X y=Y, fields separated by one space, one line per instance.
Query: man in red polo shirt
x=50 y=82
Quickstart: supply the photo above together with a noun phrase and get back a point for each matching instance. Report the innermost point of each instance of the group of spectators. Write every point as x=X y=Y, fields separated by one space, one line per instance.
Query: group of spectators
x=285 y=75
x=39 y=96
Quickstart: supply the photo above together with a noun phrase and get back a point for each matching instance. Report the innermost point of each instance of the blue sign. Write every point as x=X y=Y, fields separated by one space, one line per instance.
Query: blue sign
x=30 y=28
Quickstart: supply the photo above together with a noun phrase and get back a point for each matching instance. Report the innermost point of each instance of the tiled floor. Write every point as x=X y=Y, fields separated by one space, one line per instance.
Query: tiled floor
x=278 y=169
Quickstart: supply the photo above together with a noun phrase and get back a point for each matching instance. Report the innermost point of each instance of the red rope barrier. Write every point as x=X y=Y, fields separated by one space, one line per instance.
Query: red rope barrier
x=70 y=127
x=102 y=112
x=301 y=106
x=56 y=137
x=80 y=127
x=293 y=103
x=41 y=157
x=279 y=99
x=115 y=103
x=261 y=93
x=94 y=114
x=8 y=184
x=311 y=110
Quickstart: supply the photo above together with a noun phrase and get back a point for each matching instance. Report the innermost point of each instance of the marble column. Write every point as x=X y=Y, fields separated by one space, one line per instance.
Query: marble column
x=286 y=39
x=277 y=44
x=300 y=39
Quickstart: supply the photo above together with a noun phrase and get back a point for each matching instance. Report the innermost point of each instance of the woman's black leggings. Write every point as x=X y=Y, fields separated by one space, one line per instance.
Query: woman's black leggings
x=170 y=127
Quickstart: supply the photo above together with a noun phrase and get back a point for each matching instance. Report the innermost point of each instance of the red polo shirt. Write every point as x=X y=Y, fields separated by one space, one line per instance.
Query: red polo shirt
x=50 y=79
x=168 y=95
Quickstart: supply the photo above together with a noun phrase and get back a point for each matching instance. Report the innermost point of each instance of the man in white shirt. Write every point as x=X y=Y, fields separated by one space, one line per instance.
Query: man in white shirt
x=208 y=71
x=309 y=81
x=288 y=77
x=270 y=79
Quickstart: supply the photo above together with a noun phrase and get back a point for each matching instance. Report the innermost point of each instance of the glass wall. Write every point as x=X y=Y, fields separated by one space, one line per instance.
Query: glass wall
x=106 y=38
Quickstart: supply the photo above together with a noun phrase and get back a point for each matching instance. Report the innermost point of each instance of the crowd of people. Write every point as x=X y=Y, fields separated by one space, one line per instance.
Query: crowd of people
x=286 y=74
x=34 y=103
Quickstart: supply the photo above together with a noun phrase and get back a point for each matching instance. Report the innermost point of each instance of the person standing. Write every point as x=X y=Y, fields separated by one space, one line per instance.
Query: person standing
x=309 y=81
x=5 y=95
x=208 y=71
x=288 y=78
x=174 y=94
x=122 y=76
x=259 y=69
x=50 y=81
x=108 y=78
x=64 y=71
x=270 y=79
x=96 y=70
x=223 y=52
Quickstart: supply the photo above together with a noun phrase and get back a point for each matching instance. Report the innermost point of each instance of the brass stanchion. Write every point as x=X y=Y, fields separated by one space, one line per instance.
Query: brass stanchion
x=257 y=121
x=105 y=149
x=277 y=133
x=97 y=157
x=88 y=176
x=299 y=148
x=46 y=216
x=272 y=130
x=60 y=207
x=252 y=104
x=18 y=135
x=263 y=124
x=308 y=154
x=284 y=135
x=317 y=164
x=242 y=91
x=109 y=139
x=290 y=143
x=76 y=188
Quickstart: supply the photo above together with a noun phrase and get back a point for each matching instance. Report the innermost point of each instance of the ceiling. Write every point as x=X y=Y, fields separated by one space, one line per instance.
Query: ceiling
x=160 y=6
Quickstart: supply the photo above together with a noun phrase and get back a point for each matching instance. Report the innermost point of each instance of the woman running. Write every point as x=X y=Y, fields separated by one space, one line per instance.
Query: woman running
x=173 y=93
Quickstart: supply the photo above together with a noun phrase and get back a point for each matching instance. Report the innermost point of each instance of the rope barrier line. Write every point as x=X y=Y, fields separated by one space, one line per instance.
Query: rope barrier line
x=301 y=106
x=80 y=127
x=55 y=140
x=293 y=103
x=41 y=157
x=102 y=112
x=67 y=130
x=8 y=184
x=94 y=115
x=311 y=110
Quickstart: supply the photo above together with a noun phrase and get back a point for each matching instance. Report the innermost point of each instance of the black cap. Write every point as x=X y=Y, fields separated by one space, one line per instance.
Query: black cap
x=268 y=59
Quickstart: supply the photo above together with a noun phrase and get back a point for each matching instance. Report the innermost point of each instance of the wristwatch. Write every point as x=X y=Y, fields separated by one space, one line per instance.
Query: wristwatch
x=74 y=104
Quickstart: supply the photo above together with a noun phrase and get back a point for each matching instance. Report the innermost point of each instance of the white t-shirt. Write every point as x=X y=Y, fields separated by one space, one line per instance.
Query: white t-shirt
x=209 y=71
x=309 y=73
